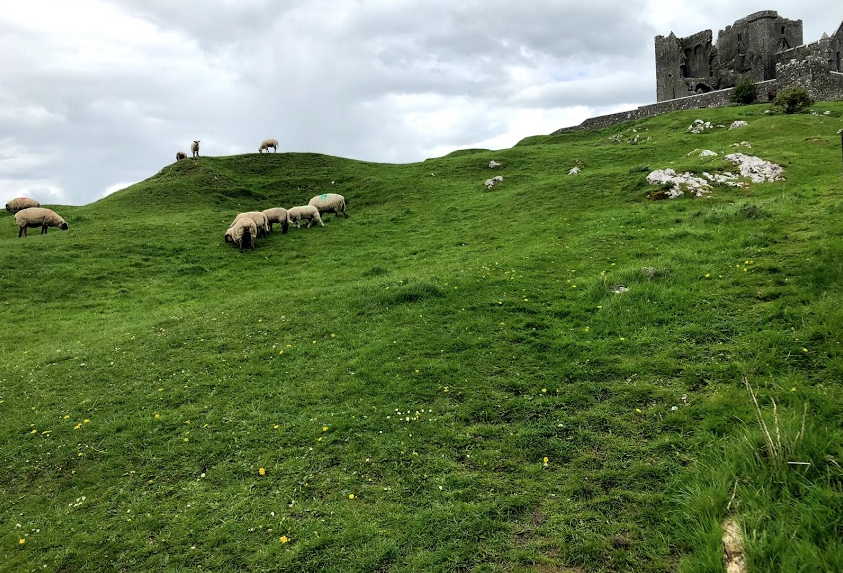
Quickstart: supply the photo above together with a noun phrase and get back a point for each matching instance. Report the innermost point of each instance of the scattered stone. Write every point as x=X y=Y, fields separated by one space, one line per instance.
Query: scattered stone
x=757 y=169
x=574 y=170
x=725 y=178
x=742 y=144
x=648 y=272
x=494 y=165
x=733 y=557
x=699 y=126
x=619 y=289
x=491 y=182
x=707 y=153
x=680 y=182
x=738 y=123
x=617 y=138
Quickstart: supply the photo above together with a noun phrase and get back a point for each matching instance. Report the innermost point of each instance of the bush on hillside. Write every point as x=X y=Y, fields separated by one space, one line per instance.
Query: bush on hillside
x=745 y=93
x=793 y=100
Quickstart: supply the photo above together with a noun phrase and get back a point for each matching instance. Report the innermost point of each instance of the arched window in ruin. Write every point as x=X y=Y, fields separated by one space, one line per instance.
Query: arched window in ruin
x=782 y=29
x=698 y=49
x=702 y=88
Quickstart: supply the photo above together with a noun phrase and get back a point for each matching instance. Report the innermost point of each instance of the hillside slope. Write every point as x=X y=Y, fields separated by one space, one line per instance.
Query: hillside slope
x=451 y=379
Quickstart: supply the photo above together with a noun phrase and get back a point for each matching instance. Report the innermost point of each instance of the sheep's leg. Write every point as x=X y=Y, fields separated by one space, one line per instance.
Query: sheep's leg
x=43 y=229
x=284 y=227
x=22 y=232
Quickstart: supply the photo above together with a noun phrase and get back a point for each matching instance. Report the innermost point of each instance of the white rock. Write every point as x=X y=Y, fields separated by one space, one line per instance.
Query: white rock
x=757 y=169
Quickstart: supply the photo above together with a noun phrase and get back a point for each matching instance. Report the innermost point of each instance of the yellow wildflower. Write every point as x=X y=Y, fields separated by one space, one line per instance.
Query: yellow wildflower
x=284 y=539
x=262 y=471
x=21 y=541
x=324 y=428
x=275 y=427
x=351 y=496
x=86 y=420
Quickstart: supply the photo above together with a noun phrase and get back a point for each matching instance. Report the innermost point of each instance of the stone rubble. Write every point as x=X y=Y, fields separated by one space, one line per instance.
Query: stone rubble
x=757 y=169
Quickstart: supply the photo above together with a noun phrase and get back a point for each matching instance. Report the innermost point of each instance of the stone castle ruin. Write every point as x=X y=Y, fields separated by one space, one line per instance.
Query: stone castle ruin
x=697 y=72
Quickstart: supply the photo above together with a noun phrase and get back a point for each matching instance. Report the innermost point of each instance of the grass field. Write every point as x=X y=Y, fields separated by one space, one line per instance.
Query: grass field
x=444 y=381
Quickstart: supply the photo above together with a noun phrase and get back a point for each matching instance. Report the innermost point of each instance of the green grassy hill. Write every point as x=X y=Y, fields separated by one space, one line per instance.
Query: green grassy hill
x=446 y=380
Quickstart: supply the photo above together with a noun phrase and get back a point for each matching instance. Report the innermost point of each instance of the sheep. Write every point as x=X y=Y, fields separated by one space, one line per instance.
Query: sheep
x=194 y=147
x=38 y=217
x=242 y=232
x=259 y=218
x=19 y=203
x=329 y=203
x=267 y=143
x=309 y=212
x=180 y=155
x=277 y=215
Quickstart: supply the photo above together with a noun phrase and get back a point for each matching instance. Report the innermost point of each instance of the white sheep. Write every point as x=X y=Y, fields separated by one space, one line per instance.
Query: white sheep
x=259 y=218
x=194 y=147
x=309 y=212
x=19 y=203
x=38 y=217
x=242 y=232
x=329 y=203
x=267 y=143
x=277 y=215
x=180 y=155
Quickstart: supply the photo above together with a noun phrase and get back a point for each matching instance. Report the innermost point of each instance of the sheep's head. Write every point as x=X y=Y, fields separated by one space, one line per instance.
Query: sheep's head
x=8 y=208
x=63 y=226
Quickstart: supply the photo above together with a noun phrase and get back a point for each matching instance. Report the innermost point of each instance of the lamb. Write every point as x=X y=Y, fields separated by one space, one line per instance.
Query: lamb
x=38 y=217
x=180 y=155
x=194 y=147
x=329 y=203
x=19 y=203
x=259 y=218
x=267 y=143
x=242 y=232
x=278 y=215
x=296 y=214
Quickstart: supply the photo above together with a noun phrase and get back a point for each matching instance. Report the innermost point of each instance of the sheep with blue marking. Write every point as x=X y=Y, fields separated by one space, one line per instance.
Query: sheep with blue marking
x=329 y=203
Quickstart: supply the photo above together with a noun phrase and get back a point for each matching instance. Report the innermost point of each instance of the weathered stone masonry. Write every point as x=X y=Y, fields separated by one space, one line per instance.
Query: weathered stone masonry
x=694 y=72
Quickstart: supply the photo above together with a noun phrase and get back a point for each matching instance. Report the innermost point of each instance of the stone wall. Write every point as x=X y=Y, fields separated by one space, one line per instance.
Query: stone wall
x=719 y=98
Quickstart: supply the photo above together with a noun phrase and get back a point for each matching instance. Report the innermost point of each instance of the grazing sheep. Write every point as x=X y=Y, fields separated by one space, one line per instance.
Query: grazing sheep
x=259 y=218
x=242 y=232
x=180 y=155
x=194 y=147
x=329 y=203
x=38 y=217
x=277 y=215
x=296 y=214
x=267 y=143
x=19 y=203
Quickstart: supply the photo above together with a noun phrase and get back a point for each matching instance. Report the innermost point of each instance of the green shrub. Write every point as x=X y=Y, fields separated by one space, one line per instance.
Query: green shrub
x=793 y=100
x=745 y=93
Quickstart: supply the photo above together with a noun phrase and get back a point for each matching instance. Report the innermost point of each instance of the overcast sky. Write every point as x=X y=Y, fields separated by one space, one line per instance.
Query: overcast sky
x=99 y=94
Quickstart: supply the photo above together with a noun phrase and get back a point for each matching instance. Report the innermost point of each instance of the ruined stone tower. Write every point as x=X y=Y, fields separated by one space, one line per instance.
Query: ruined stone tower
x=746 y=49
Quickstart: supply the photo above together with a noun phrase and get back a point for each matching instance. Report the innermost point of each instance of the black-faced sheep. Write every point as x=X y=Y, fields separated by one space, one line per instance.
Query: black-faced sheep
x=19 y=203
x=329 y=203
x=277 y=215
x=267 y=143
x=259 y=218
x=309 y=212
x=194 y=147
x=242 y=232
x=180 y=155
x=38 y=217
